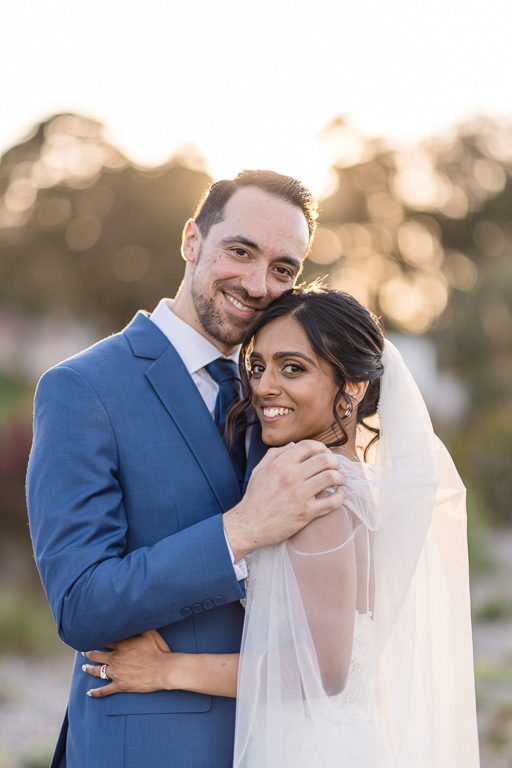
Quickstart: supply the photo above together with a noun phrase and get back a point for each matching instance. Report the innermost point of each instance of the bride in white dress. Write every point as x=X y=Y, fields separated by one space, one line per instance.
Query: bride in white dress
x=356 y=651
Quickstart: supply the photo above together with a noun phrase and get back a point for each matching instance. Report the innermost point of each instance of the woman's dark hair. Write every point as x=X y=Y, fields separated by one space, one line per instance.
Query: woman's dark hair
x=343 y=333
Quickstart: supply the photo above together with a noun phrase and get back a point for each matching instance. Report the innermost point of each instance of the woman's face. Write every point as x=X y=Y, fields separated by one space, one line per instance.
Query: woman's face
x=293 y=390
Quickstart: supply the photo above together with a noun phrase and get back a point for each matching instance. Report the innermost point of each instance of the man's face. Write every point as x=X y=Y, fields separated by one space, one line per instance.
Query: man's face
x=246 y=261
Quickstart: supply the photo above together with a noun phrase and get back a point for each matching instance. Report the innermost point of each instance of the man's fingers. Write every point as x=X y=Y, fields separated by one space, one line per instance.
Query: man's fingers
x=318 y=464
x=295 y=452
x=298 y=452
x=308 y=457
x=318 y=482
x=273 y=454
x=327 y=503
x=322 y=462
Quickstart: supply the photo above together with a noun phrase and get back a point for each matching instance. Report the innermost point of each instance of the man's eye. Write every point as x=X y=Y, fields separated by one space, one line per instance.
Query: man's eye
x=285 y=272
x=240 y=252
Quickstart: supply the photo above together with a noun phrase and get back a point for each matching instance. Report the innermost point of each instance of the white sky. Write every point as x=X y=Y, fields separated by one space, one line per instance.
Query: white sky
x=253 y=83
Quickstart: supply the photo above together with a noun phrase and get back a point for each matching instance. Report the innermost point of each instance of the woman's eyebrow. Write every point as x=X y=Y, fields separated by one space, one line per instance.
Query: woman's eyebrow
x=280 y=355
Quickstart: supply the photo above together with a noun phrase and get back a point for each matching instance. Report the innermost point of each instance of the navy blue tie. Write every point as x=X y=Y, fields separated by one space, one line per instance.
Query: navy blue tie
x=225 y=373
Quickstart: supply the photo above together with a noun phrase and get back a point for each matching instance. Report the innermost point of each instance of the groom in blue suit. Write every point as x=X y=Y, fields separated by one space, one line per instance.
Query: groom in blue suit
x=135 y=506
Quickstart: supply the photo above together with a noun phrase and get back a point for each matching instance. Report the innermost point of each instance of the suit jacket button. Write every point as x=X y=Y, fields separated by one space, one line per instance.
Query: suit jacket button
x=208 y=604
x=197 y=607
x=219 y=600
x=186 y=612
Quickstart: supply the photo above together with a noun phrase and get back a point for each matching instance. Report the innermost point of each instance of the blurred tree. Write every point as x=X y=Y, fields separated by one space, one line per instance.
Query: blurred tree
x=482 y=447
x=15 y=440
x=86 y=234
x=424 y=237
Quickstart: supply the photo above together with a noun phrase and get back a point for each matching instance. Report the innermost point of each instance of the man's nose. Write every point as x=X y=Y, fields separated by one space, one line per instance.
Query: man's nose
x=255 y=281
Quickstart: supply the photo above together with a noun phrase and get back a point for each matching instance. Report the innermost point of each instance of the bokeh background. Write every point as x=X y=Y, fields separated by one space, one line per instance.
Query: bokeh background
x=398 y=116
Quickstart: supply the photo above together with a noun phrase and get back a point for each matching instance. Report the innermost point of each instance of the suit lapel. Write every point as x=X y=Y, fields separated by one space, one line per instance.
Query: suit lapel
x=174 y=386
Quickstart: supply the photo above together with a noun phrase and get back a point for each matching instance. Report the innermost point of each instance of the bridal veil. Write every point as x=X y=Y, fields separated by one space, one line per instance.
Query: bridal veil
x=357 y=649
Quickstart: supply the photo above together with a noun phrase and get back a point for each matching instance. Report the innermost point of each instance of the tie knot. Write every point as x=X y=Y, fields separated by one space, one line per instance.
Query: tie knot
x=222 y=369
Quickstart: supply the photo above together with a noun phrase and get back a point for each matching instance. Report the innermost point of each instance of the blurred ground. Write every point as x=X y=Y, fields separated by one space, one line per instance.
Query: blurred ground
x=492 y=635
x=33 y=700
x=33 y=691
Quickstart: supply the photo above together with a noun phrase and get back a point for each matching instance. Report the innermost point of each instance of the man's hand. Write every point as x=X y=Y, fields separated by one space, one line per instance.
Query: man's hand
x=283 y=496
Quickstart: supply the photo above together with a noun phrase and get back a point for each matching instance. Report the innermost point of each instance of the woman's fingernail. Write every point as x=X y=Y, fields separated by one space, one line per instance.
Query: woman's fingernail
x=84 y=667
x=89 y=693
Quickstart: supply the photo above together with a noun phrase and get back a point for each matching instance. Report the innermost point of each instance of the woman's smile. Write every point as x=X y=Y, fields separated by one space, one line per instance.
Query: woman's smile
x=273 y=412
x=293 y=390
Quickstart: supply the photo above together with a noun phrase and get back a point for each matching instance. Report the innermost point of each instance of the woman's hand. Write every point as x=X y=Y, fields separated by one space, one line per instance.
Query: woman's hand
x=139 y=664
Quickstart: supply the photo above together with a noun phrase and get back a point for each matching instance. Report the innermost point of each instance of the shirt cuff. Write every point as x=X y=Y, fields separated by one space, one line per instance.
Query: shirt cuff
x=239 y=568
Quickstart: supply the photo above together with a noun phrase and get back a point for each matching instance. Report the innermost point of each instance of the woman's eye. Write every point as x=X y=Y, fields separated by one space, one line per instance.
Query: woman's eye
x=293 y=368
x=257 y=369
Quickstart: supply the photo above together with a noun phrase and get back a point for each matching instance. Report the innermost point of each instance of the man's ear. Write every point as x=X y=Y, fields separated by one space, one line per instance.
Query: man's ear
x=191 y=241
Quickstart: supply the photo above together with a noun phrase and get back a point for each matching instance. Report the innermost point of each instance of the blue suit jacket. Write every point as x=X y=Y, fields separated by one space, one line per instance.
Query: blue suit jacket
x=127 y=481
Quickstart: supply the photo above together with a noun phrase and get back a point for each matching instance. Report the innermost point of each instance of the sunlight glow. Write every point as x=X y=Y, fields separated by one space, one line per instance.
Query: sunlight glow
x=250 y=93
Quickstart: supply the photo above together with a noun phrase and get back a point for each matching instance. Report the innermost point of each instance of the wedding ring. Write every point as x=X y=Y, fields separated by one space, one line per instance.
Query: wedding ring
x=103 y=672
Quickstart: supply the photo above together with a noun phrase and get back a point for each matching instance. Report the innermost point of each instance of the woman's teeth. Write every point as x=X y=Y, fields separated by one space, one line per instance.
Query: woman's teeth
x=270 y=413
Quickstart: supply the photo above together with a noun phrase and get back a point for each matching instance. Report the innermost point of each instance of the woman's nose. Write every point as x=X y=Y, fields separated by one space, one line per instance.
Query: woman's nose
x=267 y=384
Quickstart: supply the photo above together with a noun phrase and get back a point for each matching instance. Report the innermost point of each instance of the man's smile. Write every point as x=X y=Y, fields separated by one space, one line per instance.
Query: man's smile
x=241 y=307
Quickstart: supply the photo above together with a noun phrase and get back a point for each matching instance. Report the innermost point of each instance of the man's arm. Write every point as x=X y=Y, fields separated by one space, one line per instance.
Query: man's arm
x=97 y=593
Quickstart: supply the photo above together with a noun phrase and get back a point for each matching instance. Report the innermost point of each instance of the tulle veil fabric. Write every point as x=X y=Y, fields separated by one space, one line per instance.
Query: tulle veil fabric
x=357 y=649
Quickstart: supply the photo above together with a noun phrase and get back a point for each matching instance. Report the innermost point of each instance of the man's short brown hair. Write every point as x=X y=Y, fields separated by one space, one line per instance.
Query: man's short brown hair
x=210 y=210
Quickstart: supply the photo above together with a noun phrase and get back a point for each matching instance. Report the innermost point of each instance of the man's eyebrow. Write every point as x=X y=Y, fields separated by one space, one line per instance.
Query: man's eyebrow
x=290 y=260
x=280 y=355
x=241 y=239
x=295 y=263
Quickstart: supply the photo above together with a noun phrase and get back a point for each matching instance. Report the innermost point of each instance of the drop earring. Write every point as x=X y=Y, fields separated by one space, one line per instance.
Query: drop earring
x=348 y=412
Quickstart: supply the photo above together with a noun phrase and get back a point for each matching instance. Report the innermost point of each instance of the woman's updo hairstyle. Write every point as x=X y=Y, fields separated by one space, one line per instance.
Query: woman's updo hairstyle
x=342 y=332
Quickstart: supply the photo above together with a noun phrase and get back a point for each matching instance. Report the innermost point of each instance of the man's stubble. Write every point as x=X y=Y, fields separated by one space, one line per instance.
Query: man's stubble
x=227 y=331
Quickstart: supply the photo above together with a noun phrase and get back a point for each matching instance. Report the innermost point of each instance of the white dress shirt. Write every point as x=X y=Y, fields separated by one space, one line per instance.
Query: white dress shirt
x=195 y=352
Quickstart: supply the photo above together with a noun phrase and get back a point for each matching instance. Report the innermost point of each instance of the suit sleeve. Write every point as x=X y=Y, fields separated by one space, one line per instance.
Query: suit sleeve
x=97 y=593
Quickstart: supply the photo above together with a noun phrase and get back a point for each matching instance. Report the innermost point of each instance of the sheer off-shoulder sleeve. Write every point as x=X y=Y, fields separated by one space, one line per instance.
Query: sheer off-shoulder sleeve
x=357 y=641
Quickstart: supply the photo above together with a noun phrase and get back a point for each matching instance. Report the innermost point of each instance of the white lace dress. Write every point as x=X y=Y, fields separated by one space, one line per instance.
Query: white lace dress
x=350 y=734
x=345 y=734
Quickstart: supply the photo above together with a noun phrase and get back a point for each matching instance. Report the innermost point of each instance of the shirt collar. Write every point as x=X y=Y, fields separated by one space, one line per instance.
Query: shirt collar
x=194 y=350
